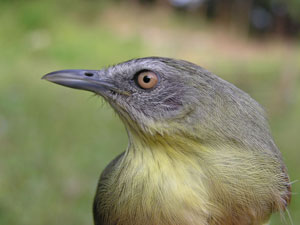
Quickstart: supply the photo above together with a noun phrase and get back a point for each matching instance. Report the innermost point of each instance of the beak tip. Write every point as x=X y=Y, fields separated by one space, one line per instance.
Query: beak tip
x=45 y=77
x=49 y=77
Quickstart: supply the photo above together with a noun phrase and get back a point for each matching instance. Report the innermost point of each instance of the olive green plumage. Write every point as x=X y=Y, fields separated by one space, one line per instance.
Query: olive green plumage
x=200 y=150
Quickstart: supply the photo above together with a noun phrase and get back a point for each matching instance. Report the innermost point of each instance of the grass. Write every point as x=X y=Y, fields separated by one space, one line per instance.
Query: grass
x=54 y=142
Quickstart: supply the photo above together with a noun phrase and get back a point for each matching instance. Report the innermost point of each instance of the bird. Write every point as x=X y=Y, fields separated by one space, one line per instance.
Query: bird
x=200 y=149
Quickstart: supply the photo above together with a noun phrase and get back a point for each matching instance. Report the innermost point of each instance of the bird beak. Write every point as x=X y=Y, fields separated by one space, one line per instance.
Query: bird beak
x=89 y=80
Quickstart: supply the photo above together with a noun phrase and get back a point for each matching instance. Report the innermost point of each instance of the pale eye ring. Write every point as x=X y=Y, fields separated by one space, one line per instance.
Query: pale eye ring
x=147 y=80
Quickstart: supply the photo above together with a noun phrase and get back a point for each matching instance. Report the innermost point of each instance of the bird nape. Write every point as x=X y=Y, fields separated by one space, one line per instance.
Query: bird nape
x=200 y=150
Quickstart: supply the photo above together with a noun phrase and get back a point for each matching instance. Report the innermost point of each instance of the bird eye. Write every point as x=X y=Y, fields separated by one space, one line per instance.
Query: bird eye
x=147 y=79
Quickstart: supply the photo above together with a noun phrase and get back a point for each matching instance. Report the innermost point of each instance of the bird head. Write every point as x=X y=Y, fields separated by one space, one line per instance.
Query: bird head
x=175 y=98
x=203 y=133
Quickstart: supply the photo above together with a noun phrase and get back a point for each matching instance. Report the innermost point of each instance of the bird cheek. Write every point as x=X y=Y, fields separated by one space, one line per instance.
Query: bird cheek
x=173 y=104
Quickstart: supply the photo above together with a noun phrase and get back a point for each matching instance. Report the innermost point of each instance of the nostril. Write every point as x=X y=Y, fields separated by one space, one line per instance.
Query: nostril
x=88 y=74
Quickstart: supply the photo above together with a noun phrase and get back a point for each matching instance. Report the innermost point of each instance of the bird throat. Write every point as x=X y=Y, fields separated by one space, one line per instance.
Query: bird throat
x=169 y=181
x=159 y=184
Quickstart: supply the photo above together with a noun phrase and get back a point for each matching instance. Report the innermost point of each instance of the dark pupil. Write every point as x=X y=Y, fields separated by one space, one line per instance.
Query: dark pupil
x=146 y=79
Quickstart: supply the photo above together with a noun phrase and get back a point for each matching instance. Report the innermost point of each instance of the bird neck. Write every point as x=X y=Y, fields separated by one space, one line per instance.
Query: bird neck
x=162 y=179
x=175 y=180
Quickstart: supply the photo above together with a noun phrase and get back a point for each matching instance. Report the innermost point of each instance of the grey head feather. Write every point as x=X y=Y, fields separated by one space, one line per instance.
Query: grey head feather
x=199 y=102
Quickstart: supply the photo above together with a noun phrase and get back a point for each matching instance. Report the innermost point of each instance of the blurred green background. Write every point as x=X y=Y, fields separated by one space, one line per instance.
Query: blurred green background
x=54 y=141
